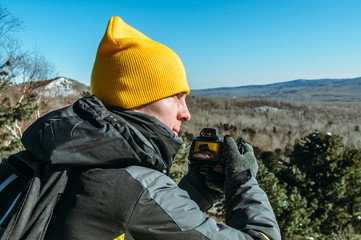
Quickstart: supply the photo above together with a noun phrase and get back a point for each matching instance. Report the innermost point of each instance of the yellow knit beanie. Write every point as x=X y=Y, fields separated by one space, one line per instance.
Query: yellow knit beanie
x=131 y=70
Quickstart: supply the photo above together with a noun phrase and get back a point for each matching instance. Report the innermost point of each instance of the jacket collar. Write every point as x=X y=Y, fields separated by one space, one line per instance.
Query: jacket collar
x=88 y=134
x=165 y=143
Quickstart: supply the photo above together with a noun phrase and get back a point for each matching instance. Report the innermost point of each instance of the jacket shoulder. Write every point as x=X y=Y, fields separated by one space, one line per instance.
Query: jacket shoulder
x=164 y=194
x=146 y=176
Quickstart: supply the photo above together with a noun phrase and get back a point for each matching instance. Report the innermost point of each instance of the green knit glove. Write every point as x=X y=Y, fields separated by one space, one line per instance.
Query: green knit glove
x=236 y=161
x=205 y=190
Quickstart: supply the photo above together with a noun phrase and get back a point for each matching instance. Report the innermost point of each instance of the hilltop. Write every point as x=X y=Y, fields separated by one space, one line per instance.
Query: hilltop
x=301 y=90
x=60 y=87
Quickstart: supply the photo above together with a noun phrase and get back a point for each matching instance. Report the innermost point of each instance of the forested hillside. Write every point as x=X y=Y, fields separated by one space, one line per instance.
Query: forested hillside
x=309 y=159
x=275 y=124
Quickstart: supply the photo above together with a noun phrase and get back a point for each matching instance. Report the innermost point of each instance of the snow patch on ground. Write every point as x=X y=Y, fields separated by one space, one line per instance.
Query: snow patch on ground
x=269 y=109
x=59 y=87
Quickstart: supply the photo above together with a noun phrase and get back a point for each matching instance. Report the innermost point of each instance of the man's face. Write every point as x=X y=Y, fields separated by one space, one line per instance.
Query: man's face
x=171 y=111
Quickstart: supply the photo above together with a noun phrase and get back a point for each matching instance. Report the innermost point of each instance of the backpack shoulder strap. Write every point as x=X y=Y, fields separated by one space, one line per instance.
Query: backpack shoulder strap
x=25 y=162
x=33 y=215
x=16 y=172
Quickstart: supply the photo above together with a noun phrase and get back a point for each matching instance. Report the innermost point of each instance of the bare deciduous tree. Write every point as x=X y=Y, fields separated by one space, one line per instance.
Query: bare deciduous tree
x=20 y=74
x=8 y=23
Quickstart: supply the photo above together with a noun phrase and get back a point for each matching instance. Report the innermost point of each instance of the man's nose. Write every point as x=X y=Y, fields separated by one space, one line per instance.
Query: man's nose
x=184 y=114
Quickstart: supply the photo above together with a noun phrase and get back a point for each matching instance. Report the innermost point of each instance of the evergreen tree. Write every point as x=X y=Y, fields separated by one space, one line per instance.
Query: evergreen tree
x=7 y=143
x=319 y=157
x=288 y=205
x=351 y=170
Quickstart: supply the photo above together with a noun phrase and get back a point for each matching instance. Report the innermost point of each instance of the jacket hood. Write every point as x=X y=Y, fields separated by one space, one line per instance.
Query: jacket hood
x=88 y=134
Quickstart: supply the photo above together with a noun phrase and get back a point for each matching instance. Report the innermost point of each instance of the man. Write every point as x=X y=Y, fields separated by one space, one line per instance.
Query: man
x=120 y=144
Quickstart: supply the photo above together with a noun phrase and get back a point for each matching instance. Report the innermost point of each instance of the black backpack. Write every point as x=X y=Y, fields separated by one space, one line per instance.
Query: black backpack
x=29 y=191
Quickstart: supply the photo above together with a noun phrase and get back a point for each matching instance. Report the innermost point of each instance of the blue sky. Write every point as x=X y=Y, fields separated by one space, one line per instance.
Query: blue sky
x=221 y=43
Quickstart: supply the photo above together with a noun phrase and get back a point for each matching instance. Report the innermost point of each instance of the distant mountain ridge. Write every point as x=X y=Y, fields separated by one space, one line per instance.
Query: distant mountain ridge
x=301 y=90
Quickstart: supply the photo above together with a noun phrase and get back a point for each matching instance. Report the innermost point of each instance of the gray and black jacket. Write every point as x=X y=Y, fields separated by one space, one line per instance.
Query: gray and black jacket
x=119 y=186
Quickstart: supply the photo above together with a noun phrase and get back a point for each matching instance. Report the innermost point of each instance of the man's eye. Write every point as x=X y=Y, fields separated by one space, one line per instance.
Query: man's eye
x=180 y=95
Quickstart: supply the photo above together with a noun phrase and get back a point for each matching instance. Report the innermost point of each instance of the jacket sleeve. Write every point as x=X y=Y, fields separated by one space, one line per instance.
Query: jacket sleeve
x=248 y=208
x=165 y=211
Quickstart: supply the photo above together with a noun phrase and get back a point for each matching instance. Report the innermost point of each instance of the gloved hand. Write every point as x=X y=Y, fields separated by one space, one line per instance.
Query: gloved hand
x=205 y=190
x=237 y=162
